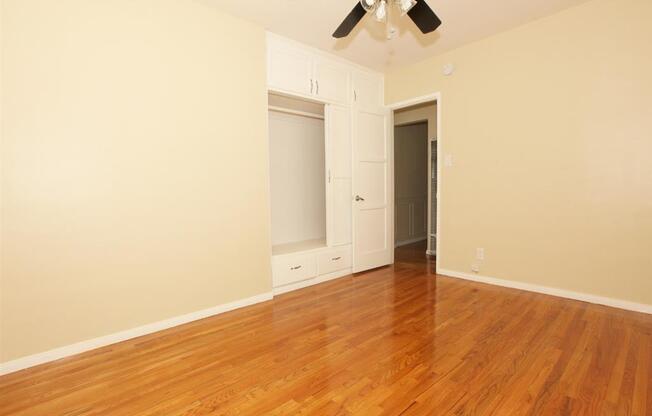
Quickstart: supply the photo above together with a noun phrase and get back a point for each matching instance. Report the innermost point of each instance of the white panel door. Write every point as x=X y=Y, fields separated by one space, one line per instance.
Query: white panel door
x=372 y=203
x=338 y=142
x=331 y=81
x=289 y=70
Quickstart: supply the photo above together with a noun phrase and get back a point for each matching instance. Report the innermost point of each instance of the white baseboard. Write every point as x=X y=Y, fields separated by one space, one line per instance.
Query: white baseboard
x=58 y=353
x=310 y=282
x=412 y=241
x=562 y=293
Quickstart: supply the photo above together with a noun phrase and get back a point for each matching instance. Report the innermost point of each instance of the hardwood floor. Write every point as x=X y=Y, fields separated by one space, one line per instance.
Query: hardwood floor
x=413 y=255
x=395 y=341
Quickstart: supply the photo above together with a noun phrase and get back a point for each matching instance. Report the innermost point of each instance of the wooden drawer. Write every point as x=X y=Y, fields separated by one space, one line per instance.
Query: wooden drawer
x=293 y=268
x=334 y=260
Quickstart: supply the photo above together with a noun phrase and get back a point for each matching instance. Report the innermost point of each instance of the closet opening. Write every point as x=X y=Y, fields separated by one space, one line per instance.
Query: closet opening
x=415 y=182
x=297 y=149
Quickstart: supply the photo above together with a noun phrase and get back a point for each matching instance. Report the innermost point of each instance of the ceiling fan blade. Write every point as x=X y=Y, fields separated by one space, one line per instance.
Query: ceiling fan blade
x=350 y=21
x=423 y=16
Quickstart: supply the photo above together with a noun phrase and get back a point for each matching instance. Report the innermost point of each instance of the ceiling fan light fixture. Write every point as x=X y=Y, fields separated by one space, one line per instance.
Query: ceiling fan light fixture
x=417 y=10
x=369 y=5
x=381 y=11
x=406 y=5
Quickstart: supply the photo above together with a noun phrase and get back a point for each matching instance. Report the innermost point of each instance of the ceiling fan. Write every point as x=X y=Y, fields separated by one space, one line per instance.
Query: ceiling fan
x=420 y=13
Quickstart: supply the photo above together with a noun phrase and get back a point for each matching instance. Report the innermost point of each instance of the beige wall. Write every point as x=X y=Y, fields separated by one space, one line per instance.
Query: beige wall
x=1 y=183
x=130 y=192
x=550 y=129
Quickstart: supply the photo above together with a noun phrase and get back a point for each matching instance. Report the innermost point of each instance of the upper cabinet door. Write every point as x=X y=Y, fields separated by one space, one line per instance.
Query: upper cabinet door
x=289 y=70
x=331 y=81
x=368 y=91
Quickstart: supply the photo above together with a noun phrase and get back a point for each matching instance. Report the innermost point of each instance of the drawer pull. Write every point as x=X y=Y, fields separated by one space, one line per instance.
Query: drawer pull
x=295 y=268
x=336 y=258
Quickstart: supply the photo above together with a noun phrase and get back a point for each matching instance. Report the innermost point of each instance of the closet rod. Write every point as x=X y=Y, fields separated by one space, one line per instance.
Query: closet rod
x=295 y=112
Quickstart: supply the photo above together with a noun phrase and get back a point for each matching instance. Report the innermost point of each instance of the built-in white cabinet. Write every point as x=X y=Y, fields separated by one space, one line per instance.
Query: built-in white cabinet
x=338 y=159
x=334 y=260
x=295 y=70
x=326 y=90
x=331 y=81
x=289 y=69
x=295 y=270
x=367 y=91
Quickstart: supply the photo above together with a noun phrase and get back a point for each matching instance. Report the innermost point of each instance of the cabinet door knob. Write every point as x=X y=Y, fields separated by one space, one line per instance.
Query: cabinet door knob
x=358 y=198
x=317 y=82
x=295 y=268
x=336 y=258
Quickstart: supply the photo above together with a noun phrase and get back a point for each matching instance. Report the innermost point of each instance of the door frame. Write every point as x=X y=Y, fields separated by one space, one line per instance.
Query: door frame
x=436 y=97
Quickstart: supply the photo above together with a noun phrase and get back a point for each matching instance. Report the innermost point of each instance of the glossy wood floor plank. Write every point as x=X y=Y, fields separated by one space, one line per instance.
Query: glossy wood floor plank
x=394 y=341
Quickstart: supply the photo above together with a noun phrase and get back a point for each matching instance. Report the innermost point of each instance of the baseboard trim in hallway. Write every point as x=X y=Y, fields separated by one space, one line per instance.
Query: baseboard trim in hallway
x=562 y=293
x=84 y=346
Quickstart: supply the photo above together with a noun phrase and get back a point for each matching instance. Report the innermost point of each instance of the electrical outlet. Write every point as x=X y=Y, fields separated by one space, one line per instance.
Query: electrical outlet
x=448 y=160
x=479 y=253
x=475 y=268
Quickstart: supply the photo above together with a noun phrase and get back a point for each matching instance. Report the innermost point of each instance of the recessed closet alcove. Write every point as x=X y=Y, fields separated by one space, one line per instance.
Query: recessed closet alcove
x=297 y=144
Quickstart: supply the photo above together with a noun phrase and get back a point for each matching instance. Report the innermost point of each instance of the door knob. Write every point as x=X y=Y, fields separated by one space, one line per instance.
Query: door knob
x=357 y=198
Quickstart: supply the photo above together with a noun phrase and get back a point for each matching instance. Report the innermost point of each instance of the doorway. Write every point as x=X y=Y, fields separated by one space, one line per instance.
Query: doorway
x=416 y=179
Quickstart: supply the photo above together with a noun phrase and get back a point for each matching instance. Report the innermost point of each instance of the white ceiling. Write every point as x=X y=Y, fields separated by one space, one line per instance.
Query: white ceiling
x=313 y=21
